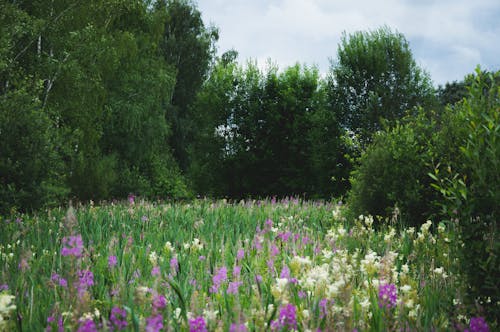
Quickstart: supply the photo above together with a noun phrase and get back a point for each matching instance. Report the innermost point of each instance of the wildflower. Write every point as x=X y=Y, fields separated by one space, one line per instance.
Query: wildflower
x=23 y=265
x=131 y=199
x=238 y=328
x=478 y=324
x=144 y=218
x=387 y=295
x=6 y=306
x=154 y=323
x=159 y=302
x=72 y=246
x=4 y=287
x=85 y=280
x=112 y=261
x=174 y=264
x=285 y=272
x=287 y=319
x=323 y=308
x=155 y=271
x=236 y=271
x=87 y=325
x=118 y=319
x=197 y=325
x=240 y=255
x=218 y=279
x=233 y=287
x=274 y=250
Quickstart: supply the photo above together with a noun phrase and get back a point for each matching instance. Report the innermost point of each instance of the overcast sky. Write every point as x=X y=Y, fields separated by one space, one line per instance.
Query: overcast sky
x=448 y=38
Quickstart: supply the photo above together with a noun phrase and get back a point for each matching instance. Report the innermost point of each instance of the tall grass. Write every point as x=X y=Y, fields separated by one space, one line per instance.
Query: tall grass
x=212 y=265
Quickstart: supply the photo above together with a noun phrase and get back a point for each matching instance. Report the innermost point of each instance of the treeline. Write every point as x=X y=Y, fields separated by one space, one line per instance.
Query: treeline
x=103 y=99
x=94 y=97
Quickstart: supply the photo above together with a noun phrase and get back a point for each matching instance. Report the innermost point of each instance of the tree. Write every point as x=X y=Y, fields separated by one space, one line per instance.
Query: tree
x=375 y=77
x=189 y=47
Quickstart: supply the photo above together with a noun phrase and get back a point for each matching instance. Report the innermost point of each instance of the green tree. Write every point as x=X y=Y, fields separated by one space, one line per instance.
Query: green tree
x=375 y=77
x=189 y=47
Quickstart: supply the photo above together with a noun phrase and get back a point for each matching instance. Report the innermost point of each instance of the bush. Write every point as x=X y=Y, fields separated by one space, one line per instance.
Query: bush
x=392 y=172
x=471 y=189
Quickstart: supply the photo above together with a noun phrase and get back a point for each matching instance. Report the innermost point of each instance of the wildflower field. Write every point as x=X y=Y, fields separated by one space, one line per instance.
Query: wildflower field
x=215 y=266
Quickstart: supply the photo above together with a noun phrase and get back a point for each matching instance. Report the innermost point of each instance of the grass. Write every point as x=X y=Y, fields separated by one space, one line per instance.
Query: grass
x=212 y=265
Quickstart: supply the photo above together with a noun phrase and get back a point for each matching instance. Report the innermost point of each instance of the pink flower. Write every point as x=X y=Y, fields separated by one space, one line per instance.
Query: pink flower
x=112 y=261
x=72 y=246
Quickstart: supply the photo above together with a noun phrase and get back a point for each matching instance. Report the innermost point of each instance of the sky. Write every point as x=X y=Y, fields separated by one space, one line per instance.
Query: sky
x=448 y=38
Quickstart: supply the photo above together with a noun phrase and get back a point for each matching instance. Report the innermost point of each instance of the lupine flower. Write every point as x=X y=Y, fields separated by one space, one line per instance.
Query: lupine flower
x=387 y=296
x=197 y=325
x=154 y=323
x=218 y=279
x=112 y=261
x=478 y=324
x=87 y=325
x=72 y=246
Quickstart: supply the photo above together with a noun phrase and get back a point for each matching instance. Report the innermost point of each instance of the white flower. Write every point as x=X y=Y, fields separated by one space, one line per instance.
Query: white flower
x=177 y=313
x=210 y=315
x=405 y=288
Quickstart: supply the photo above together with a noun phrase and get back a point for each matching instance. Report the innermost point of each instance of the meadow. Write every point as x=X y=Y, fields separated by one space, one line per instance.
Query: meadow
x=218 y=266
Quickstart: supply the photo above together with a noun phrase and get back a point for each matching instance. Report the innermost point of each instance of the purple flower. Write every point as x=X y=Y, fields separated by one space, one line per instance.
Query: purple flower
x=287 y=318
x=238 y=328
x=131 y=199
x=144 y=218
x=285 y=272
x=87 y=325
x=85 y=280
x=233 y=287
x=159 y=302
x=258 y=278
x=197 y=325
x=118 y=319
x=112 y=261
x=218 y=279
x=387 y=296
x=236 y=271
x=4 y=287
x=323 y=308
x=174 y=264
x=155 y=271
x=478 y=324
x=72 y=246
x=154 y=323
x=202 y=258
x=284 y=236
x=240 y=255
x=57 y=279
x=23 y=265
x=270 y=264
x=274 y=250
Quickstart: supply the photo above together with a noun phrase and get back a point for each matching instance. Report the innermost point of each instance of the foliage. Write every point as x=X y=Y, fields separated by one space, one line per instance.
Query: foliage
x=375 y=77
x=471 y=188
x=265 y=133
x=392 y=173
x=189 y=47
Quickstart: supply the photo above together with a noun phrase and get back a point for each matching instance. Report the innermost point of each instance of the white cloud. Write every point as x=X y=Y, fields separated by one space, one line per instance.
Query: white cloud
x=449 y=38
